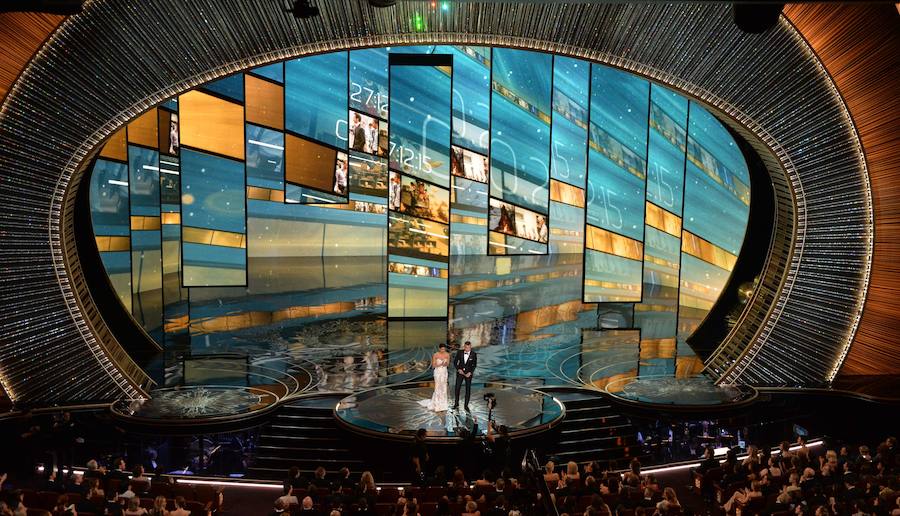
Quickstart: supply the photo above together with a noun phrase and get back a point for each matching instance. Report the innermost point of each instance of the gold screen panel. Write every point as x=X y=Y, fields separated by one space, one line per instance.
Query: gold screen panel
x=662 y=220
x=706 y=251
x=265 y=102
x=212 y=124
x=142 y=131
x=309 y=164
x=116 y=147
x=566 y=193
x=611 y=243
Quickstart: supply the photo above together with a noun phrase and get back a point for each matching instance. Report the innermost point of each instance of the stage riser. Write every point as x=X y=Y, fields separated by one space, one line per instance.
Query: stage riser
x=302 y=434
x=593 y=430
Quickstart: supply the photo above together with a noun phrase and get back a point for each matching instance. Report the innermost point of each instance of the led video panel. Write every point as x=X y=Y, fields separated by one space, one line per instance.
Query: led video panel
x=274 y=72
x=571 y=84
x=518 y=222
x=314 y=173
x=368 y=178
x=611 y=278
x=520 y=128
x=420 y=116
x=468 y=164
x=369 y=81
x=231 y=87
x=265 y=158
x=211 y=124
x=169 y=139
x=368 y=134
x=656 y=315
x=717 y=185
x=468 y=217
x=111 y=222
x=146 y=240
x=419 y=185
x=666 y=149
x=315 y=90
x=109 y=198
x=491 y=152
x=265 y=102
x=418 y=198
x=214 y=241
x=618 y=149
x=471 y=97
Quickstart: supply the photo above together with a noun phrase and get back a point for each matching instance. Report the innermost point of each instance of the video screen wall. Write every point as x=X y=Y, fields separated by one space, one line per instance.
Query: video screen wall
x=410 y=158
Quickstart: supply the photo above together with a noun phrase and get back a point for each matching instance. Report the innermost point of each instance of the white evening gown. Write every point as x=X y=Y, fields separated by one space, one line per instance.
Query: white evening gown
x=439 y=400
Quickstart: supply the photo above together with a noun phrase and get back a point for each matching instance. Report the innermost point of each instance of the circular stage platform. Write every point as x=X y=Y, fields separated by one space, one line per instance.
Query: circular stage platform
x=394 y=412
x=693 y=392
x=182 y=406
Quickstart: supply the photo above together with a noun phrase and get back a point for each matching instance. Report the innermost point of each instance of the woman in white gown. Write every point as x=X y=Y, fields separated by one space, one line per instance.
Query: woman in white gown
x=439 y=400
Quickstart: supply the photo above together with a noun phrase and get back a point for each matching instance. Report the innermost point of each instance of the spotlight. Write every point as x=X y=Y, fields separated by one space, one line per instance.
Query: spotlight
x=303 y=9
x=382 y=3
x=756 y=17
x=63 y=7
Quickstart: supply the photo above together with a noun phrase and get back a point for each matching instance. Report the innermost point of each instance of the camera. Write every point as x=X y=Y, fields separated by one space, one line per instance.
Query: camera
x=490 y=399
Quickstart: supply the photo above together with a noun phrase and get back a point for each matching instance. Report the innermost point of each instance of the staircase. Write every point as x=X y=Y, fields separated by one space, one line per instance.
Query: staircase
x=592 y=430
x=303 y=434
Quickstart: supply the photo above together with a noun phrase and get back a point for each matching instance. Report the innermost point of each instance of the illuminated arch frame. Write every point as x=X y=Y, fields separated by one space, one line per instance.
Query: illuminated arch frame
x=646 y=40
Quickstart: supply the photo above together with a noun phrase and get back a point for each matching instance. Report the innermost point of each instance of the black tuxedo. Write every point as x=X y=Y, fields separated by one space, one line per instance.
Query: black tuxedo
x=467 y=366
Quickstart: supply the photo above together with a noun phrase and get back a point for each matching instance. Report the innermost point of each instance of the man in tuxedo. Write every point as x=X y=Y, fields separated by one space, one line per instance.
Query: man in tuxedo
x=465 y=362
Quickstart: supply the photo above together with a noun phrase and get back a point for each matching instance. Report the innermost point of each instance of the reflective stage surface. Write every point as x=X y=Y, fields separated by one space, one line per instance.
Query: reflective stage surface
x=696 y=391
x=310 y=325
x=196 y=404
x=396 y=411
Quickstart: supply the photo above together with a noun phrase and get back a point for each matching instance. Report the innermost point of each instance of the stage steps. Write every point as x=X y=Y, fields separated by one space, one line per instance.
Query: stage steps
x=303 y=433
x=592 y=430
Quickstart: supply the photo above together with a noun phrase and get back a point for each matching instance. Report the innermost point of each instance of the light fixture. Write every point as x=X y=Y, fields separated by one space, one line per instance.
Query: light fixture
x=303 y=9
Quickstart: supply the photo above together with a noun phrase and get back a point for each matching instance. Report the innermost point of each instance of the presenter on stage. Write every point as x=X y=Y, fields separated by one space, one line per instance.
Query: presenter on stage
x=464 y=362
x=438 y=400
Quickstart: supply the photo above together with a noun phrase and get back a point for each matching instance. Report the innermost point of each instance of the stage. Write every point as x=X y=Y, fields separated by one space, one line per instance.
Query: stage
x=394 y=412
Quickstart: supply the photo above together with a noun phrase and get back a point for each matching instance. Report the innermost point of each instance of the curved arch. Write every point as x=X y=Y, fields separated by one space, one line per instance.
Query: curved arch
x=120 y=70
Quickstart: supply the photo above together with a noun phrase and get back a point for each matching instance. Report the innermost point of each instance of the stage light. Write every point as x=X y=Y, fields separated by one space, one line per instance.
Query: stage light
x=756 y=18
x=445 y=6
x=303 y=9
x=62 y=7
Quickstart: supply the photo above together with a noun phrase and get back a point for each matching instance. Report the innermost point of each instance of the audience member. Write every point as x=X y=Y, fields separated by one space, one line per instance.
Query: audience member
x=280 y=507
x=63 y=507
x=159 y=507
x=367 y=489
x=307 y=508
x=180 y=507
x=669 y=503
x=134 y=507
x=288 y=497
x=471 y=509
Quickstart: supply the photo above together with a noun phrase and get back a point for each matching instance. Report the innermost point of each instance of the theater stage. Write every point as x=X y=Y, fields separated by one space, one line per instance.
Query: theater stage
x=395 y=412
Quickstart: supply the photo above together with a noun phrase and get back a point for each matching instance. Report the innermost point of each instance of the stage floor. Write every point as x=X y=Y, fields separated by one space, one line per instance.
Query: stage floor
x=395 y=412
